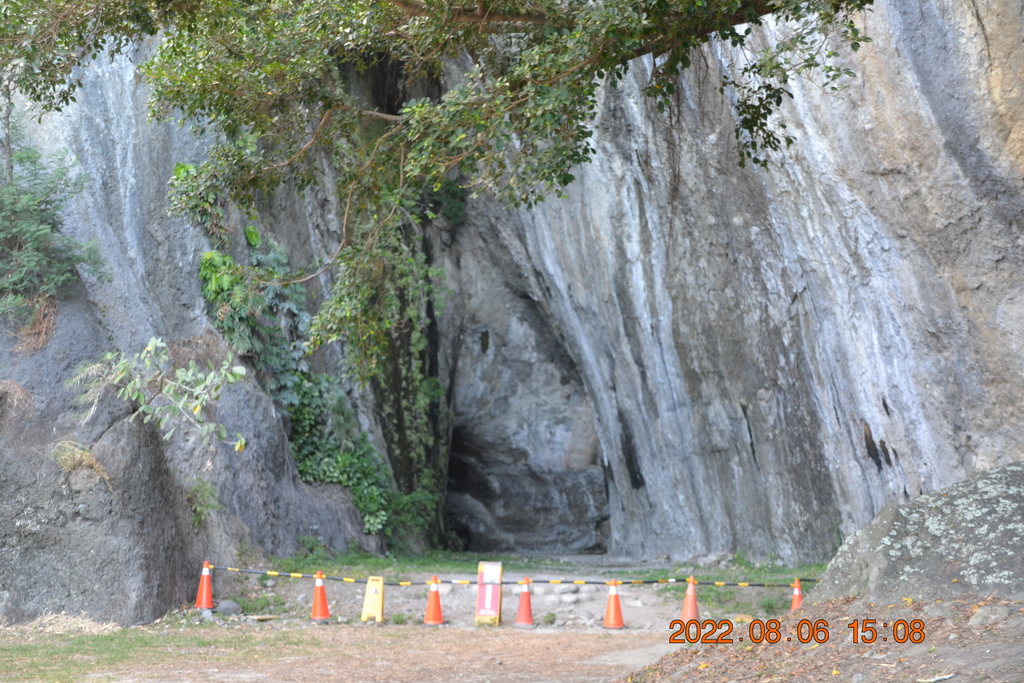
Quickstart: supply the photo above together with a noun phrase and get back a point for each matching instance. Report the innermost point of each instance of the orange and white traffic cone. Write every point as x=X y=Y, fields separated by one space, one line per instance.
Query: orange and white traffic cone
x=613 y=613
x=433 y=616
x=320 y=610
x=798 y=597
x=524 y=617
x=690 y=600
x=204 y=596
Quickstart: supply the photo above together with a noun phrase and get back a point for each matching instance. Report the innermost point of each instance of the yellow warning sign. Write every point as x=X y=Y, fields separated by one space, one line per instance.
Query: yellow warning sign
x=373 y=602
x=488 y=593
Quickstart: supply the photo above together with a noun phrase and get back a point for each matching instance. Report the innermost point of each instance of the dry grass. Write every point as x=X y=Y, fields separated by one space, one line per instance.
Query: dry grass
x=71 y=456
x=65 y=623
x=204 y=350
x=36 y=334
x=91 y=382
x=14 y=400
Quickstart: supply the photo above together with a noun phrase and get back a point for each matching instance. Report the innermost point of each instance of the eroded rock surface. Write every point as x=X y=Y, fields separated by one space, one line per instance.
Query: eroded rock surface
x=681 y=357
x=123 y=546
x=965 y=538
x=773 y=356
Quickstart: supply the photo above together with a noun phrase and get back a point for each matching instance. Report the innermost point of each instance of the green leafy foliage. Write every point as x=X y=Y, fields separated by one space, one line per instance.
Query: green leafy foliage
x=193 y=196
x=171 y=396
x=262 y=321
x=267 y=323
x=36 y=260
x=42 y=41
x=290 y=88
x=377 y=295
x=274 y=77
x=448 y=199
x=202 y=500
x=252 y=237
x=328 y=447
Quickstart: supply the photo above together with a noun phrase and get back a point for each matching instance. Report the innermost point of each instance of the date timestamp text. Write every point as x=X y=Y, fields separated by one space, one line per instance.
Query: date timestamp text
x=723 y=631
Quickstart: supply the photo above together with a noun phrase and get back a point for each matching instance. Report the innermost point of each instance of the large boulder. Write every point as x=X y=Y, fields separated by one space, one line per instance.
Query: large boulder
x=115 y=530
x=967 y=537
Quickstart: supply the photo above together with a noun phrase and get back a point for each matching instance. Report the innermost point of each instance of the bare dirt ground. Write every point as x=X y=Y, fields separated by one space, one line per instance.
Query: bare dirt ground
x=975 y=639
x=412 y=654
x=964 y=640
x=568 y=641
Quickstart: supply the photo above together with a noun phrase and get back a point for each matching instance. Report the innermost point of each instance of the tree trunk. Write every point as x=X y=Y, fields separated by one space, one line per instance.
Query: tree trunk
x=8 y=141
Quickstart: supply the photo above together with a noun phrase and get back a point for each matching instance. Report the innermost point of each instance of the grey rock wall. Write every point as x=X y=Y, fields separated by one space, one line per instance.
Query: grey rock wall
x=524 y=469
x=125 y=548
x=681 y=357
x=771 y=357
x=956 y=540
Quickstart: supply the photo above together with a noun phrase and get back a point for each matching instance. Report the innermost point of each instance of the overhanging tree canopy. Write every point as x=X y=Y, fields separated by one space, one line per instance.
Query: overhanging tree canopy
x=275 y=79
x=520 y=113
x=283 y=84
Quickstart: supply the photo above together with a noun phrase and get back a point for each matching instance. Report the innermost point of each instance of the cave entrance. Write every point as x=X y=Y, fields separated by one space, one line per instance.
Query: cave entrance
x=498 y=501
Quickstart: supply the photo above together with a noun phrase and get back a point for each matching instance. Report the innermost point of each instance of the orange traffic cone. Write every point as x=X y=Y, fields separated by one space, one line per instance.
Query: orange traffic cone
x=613 y=613
x=690 y=600
x=433 y=616
x=798 y=597
x=524 y=617
x=204 y=596
x=320 y=609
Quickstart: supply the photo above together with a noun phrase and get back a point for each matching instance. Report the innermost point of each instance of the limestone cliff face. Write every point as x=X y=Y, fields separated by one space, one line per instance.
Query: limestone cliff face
x=681 y=357
x=766 y=358
x=131 y=534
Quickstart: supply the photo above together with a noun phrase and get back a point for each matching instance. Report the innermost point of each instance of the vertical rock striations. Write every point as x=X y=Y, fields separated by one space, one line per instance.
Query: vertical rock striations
x=122 y=545
x=680 y=357
x=770 y=357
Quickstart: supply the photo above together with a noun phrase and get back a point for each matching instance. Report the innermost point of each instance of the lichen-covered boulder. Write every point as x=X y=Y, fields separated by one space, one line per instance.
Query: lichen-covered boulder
x=967 y=537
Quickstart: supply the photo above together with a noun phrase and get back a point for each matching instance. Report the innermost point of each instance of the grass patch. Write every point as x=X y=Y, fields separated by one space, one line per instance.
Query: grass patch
x=773 y=605
x=736 y=599
x=265 y=603
x=71 y=456
x=63 y=657
x=742 y=572
x=68 y=657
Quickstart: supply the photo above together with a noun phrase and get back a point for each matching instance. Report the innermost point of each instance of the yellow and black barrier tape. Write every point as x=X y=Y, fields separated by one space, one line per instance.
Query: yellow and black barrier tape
x=466 y=582
x=265 y=572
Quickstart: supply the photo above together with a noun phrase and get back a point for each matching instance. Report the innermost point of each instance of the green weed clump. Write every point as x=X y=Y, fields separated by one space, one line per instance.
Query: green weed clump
x=264 y=603
x=37 y=262
x=202 y=500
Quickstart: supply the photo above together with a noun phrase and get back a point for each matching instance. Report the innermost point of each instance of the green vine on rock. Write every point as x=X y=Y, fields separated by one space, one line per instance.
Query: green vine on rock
x=267 y=323
x=379 y=309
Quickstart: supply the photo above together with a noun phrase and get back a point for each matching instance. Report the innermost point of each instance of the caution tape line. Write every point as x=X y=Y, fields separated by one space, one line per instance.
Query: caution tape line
x=467 y=582
x=754 y=585
x=266 y=572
